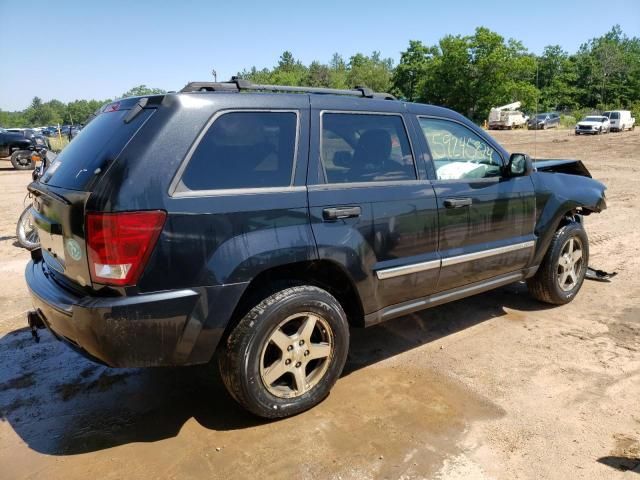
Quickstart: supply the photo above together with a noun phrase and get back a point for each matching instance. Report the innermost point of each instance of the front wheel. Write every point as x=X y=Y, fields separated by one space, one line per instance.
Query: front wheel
x=563 y=268
x=26 y=231
x=284 y=356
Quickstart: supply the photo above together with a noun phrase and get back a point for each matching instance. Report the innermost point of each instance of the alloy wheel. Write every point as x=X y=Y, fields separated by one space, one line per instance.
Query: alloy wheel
x=297 y=355
x=570 y=264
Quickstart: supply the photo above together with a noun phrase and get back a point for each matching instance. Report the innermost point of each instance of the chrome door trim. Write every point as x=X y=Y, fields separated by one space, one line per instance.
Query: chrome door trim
x=469 y=257
x=407 y=269
x=393 y=272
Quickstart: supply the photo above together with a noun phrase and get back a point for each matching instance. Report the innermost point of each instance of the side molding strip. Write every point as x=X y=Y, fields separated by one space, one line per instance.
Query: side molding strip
x=447 y=296
x=407 y=269
x=445 y=262
x=469 y=257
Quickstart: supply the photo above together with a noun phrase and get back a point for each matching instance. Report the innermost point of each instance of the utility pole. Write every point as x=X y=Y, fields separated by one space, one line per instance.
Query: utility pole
x=215 y=74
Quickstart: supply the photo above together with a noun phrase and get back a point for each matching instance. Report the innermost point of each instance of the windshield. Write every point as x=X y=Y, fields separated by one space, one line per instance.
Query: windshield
x=541 y=116
x=594 y=119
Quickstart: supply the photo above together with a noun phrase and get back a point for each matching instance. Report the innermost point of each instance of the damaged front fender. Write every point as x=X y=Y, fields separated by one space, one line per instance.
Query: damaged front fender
x=560 y=195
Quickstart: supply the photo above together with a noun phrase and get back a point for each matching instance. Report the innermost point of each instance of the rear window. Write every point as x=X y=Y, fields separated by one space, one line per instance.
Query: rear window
x=100 y=142
x=244 y=150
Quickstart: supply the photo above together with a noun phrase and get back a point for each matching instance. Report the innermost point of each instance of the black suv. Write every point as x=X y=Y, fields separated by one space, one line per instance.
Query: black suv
x=17 y=148
x=259 y=223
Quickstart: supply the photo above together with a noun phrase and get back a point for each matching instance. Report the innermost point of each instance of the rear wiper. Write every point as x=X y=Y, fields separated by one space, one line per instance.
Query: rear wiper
x=136 y=109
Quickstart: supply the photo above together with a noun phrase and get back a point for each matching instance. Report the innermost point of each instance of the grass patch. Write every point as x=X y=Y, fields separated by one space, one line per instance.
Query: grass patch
x=58 y=143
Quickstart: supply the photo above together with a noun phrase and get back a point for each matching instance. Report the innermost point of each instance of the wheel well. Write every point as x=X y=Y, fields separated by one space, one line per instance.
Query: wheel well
x=573 y=216
x=322 y=273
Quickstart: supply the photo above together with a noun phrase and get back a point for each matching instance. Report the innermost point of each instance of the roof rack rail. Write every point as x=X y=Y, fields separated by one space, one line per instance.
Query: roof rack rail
x=238 y=84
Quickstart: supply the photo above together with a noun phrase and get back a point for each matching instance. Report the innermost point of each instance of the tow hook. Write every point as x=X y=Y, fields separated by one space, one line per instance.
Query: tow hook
x=35 y=323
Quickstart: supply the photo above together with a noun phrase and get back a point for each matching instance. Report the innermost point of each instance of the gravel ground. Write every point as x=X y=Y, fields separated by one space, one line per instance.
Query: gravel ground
x=496 y=386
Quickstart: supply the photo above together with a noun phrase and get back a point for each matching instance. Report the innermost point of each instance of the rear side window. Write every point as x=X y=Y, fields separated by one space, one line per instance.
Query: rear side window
x=99 y=142
x=244 y=150
x=365 y=148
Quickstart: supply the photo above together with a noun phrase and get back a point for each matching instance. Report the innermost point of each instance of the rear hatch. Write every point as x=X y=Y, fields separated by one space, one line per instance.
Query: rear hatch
x=60 y=196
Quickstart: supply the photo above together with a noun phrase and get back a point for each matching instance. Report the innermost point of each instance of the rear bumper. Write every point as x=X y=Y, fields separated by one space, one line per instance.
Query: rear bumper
x=157 y=329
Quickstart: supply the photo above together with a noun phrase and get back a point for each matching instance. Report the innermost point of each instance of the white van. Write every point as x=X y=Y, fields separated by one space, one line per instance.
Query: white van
x=620 y=120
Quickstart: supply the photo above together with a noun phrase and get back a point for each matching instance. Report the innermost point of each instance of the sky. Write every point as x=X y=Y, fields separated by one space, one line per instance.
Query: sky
x=96 y=50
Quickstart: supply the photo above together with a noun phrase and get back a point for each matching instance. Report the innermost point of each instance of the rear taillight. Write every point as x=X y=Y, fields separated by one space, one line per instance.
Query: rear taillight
x=119 y=244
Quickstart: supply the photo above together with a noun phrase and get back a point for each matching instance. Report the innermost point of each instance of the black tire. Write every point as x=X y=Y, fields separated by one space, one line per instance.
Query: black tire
x=21 y=160
x=26 y=232
x=241 y=358
x=545 y=284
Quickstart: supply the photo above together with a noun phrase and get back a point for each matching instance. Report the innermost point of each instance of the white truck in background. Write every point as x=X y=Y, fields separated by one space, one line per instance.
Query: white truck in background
x=620 y=120
x=507 y=116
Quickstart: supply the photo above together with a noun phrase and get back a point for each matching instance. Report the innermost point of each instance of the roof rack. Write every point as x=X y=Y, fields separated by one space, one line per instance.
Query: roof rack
x=238 y=84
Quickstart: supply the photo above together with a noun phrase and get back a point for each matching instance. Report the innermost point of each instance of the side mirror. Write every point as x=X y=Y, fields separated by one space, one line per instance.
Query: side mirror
x=520 y=165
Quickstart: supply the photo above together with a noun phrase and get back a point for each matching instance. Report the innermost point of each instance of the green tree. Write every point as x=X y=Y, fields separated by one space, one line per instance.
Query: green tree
x=608 y=70
x=413 y=69
x=142 y=90
x=556 y=77
x=373 y=72
x=469 y=74
x=318 y=75
x=338 y=72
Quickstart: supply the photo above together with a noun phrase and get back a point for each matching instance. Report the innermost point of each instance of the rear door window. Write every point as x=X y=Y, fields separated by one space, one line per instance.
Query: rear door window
x=100 y=142
x=249 y=149
x=365 y=148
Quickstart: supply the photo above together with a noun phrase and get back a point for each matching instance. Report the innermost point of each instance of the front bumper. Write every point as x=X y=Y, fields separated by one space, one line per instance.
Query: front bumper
x=156 y=329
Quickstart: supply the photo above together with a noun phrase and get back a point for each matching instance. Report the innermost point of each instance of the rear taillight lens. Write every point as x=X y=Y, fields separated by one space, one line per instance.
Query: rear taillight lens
x=119 y=244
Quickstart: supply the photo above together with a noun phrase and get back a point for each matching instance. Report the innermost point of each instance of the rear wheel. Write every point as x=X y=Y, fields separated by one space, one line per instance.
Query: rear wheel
x=21 y=160
x=563 y=268
x=284 y=356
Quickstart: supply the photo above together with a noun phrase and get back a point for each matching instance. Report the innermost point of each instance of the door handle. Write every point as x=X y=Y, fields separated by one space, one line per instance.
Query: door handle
x=457 y=202
x=336 y=213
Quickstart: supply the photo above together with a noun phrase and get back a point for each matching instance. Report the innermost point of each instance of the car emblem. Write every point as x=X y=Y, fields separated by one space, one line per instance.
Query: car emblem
x=73 y=249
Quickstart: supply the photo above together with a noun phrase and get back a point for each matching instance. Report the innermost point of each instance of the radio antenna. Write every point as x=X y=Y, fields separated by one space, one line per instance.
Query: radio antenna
x=535 y=119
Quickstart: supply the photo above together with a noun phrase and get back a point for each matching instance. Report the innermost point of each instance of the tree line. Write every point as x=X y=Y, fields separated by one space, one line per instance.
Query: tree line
x=55 y=112
x=469 y=74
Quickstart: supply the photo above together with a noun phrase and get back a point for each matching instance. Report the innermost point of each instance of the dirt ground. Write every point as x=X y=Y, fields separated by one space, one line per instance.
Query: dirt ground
x=497 y=386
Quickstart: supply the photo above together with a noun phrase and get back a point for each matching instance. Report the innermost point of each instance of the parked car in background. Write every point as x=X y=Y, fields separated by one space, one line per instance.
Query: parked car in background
x=50 y=131
x=36 y=137
x=274 y=220
x=17 y=148
x=620 y=120
x=594 y=125
x=542 y=121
